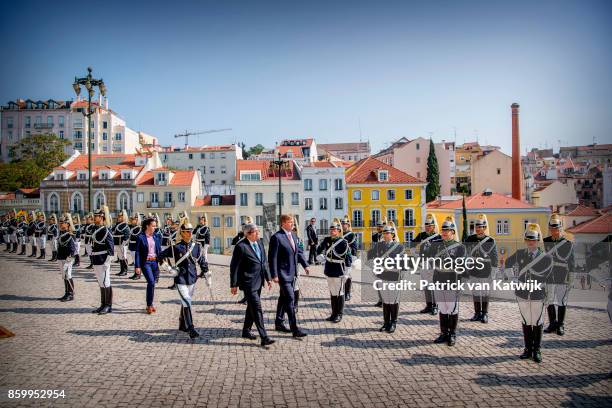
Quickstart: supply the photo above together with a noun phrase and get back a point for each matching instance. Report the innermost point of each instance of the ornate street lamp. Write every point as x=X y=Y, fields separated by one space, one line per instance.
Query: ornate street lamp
x=280 y=164
x=89 y=83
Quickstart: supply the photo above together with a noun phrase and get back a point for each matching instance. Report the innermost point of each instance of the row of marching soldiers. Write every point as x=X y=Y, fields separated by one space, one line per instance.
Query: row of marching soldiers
x=177 y=247
x=549 y=261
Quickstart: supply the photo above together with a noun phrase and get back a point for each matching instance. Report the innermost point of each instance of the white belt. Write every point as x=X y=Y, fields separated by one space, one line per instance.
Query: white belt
x=338 y=261
x=100 y=253
x=560 y=264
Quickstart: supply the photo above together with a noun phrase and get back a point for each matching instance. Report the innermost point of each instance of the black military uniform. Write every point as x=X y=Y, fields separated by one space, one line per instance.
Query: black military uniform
x=559 y=283
x=22 y=231
x=12 y=229
x=52 y=235
x=185 y=256
x=90 y=228
x=102 y=250
x=426 y=240
x=337 y=259
x=30 y=232
x=134 y=231
x=481 y=247
x=202 y=237
x=66 y=248
x=121 y=237
x=40 y=234
x=351 y=238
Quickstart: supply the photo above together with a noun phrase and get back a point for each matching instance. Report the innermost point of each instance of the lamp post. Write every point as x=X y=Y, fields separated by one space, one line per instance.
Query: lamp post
x=89 y=83
x=280 y=163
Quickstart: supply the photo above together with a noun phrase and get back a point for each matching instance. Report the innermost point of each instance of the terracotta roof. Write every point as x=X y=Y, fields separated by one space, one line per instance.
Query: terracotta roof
x=482 y=202
x=296 y=151
x=599 y=225
x=365 y=171
x=114 y=161
x=323 y=164
x=207 y=200
x=179 y=178
x=582 y=211
x=267 y=171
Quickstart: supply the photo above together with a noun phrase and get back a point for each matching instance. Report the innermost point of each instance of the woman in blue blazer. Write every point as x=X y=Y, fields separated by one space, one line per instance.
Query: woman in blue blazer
x=147 y=258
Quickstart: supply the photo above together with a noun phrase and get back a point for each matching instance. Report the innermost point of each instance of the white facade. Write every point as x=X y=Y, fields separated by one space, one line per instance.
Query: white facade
x=110 y=133
x=325 y=194
x=216 y=165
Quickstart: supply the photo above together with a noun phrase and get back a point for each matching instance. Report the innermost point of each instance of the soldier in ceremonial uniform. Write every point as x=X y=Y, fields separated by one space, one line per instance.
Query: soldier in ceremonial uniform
x=52 y=235
x=184 y=256
x=22 y=233
x=66 y=249
x=424 y=240
x=31 y=229
x=562 y=251
x=166 y=232
x=337 y=254
x=78 y=234
x=90 y=227
x=447 y=298
x=103 y=248
x=531 y=264
x=40 y=234
x=202 y=236
x=378 y=234
x=171 y=235
x=389 y=247
x=4 y=231
x=121 y=238
x=12 y=231
x=135 y=229
x=351 y=238
x=481 y=245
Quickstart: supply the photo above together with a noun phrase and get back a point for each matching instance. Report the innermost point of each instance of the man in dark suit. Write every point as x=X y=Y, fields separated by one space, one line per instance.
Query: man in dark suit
x=248 y=271
x=283 y=258
x=313 y=241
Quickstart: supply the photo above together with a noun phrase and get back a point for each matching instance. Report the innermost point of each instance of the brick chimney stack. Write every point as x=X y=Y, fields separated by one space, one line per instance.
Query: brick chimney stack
x=517 y=178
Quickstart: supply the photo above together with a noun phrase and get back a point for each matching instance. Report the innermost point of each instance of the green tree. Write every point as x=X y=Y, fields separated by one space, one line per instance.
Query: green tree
x=245 y=153
x=464 y=234
x=258 y=148
x=433 y=174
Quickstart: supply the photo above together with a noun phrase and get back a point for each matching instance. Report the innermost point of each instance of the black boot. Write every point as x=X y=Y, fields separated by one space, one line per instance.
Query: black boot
x=537 y=340
x=77 y=261
x=394 y=309
x=334 y=308
x=90 y=264
x=42 y=253
x=339 y=309
x=14 y=248
x=102 y=300
x=182 y=326
x=53 y=256
x=443 y=337
x=63 y=298
x=120 y=273
x=560 y=320
x=427 y=308
x=296 y=296
x=527 y=337
x=552 y=319
x=347 y=289
x=477 y=311
x=23 y=249
x=193 y=333
x=434 y=309
x=108 y=307
x=70 y=290
x=33 y=254
x=386 y=317
x=452 y=329
x=484 y=316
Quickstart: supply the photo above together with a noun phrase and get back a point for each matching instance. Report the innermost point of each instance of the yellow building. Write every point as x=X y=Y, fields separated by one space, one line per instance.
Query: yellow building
x=506 y=216
x=222 y=216
x=377 y=191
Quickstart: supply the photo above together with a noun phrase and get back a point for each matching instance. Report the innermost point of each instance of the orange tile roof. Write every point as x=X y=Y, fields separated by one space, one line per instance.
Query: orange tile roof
x=482 y=202
x=179 y=178
x=599 y=225
x=119 y=161
x=265 y=169
x=296 y=151
x=364 y=171
x=582 y=211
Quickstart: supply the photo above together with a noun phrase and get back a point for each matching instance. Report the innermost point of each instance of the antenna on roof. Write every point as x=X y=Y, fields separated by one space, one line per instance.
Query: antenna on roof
x=360 y=136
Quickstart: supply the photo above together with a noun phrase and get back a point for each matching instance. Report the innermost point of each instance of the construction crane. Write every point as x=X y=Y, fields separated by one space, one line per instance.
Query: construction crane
x=187 y=134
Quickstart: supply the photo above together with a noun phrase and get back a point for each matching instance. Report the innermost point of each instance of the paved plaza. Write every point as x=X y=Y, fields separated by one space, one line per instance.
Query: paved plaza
x=129 y=358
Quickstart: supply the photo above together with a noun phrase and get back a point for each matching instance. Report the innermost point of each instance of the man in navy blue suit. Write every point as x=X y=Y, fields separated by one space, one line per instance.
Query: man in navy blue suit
x=283 y=257
x=248 y=271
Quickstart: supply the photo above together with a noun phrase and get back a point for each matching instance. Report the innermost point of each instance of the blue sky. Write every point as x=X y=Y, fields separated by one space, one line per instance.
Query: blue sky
x=274 y=70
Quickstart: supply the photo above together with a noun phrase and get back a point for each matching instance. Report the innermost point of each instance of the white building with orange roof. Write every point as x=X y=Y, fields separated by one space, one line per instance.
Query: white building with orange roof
x=594 y=230
x=114 y=179
x=325 y=193
x=216 y=164
x=167 y=192
x=257 y=185
x=301 y=150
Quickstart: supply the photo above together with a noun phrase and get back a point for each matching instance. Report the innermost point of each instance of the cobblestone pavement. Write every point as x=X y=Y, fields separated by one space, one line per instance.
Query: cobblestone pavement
x=131 y=359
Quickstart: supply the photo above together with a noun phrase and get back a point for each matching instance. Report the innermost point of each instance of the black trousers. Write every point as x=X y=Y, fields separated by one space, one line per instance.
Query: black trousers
x=286 y=304
x=312 y=254
x=254 y=312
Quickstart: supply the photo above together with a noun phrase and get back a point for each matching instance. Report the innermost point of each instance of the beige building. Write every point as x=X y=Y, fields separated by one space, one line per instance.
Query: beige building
x=554 y=194
x=167 y=192
x=492 y=171
x=410 y=156
x=222 y=215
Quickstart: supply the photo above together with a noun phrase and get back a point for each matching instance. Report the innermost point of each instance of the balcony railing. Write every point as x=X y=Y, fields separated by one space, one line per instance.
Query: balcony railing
x=160 y=204
x=43 y=126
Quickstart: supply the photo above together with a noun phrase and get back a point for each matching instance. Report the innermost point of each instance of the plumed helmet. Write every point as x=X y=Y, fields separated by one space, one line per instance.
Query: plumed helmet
x=555 y=221
x=449 y=224
x=532 y=232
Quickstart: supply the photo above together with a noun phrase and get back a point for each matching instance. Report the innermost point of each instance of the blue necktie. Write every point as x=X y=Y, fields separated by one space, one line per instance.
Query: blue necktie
x=256 y=249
